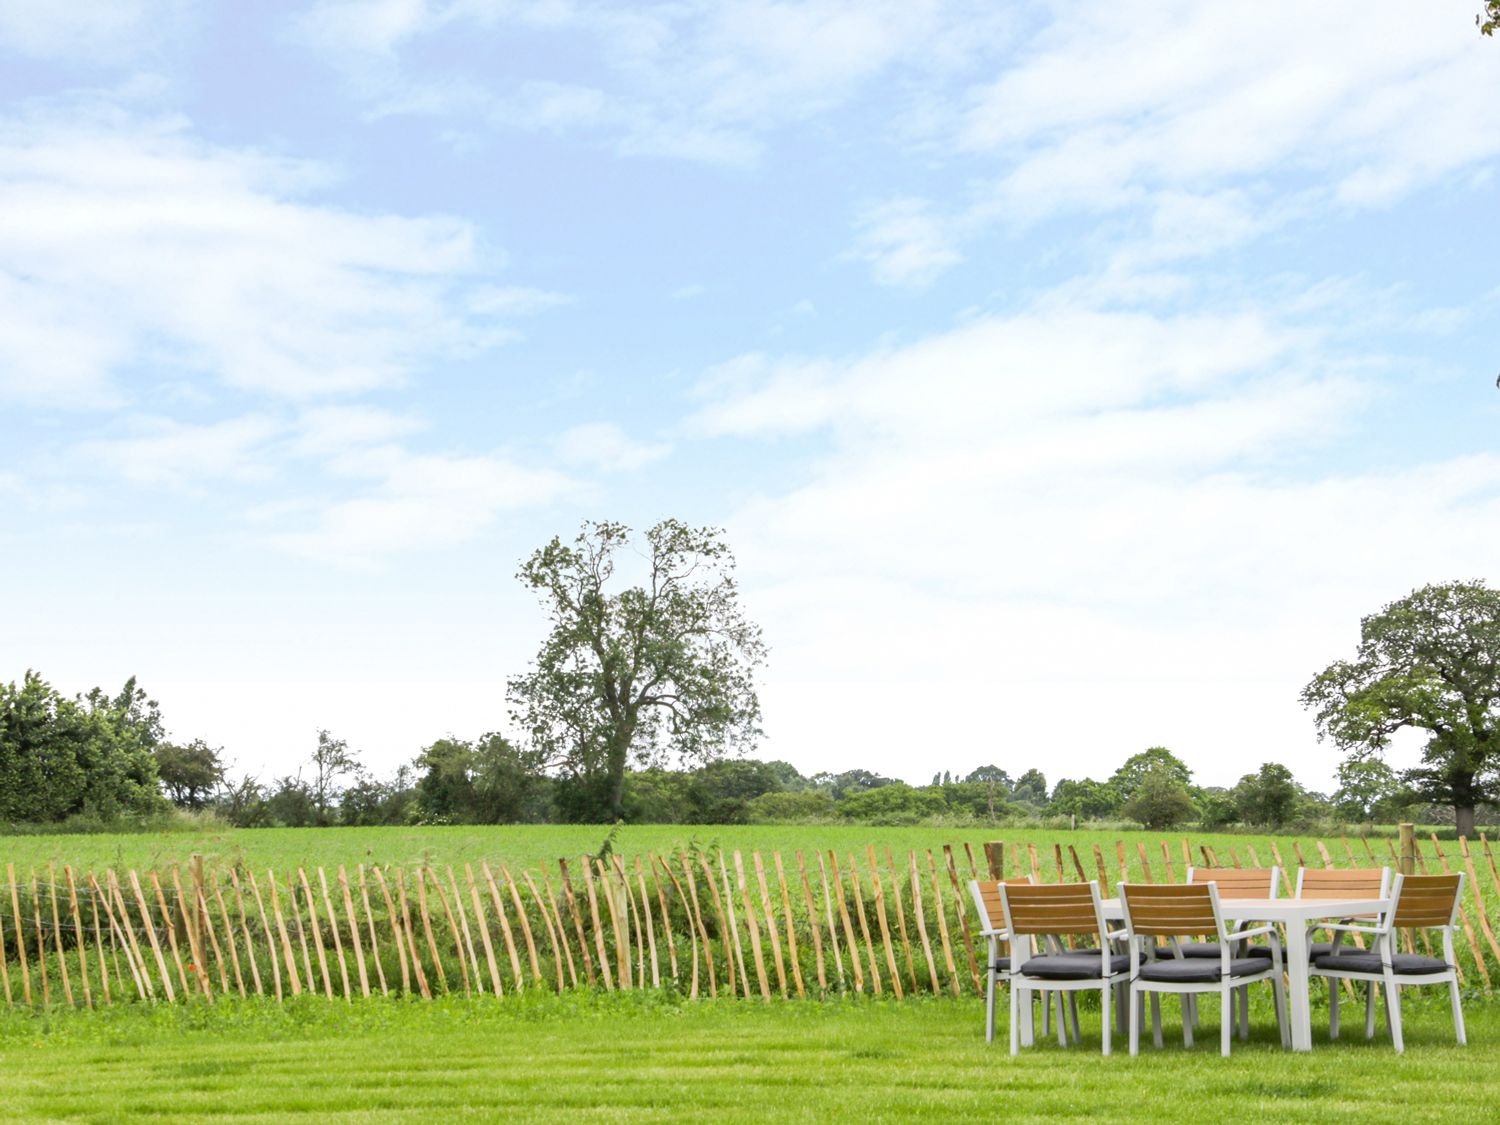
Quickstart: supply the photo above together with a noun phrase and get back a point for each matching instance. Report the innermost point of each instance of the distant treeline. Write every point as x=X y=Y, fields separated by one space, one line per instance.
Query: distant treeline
x=104 y=758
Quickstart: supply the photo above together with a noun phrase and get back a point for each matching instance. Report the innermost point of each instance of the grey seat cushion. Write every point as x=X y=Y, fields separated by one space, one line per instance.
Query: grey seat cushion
x=1211 y=949
x=1194 y=970
x=1412 y=964
x=1073 y=966
x=1002 y=964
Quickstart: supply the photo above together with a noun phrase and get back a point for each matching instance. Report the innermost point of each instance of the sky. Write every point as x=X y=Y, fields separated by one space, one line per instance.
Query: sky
x=1068 y=378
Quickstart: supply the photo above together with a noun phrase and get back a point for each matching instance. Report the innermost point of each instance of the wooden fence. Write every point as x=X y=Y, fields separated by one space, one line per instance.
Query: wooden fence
x=708 y=923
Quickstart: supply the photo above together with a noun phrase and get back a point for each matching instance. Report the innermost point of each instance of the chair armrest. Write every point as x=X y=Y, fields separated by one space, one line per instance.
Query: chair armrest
x=1117 y=935
x=1236 y=935
x=1350 y=928
x=1003 y=935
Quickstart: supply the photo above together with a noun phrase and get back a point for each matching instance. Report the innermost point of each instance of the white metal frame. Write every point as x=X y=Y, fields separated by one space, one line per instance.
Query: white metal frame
x=1383 y=937
x=1105 y=983
x=1225 y=986
x=1199 y=875
x=1333 y=1003
x=995 y=934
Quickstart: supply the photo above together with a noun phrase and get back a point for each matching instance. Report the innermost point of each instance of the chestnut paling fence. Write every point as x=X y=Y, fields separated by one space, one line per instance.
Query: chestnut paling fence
x=708 y=923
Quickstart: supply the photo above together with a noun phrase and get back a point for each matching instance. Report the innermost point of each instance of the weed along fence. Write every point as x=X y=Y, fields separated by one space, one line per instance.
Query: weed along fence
x=707 y=923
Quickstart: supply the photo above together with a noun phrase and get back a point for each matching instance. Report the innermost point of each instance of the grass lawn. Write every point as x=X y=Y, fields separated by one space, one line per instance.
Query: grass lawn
x=646 y=1056
x=532 y=845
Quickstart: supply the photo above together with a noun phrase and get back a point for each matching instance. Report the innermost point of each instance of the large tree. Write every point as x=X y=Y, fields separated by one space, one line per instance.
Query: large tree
x=1429 y=662
x=657 y=670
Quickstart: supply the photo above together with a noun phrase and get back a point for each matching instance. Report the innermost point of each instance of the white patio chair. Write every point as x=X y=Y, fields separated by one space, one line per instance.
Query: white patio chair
x=1233 y=882
x=1344 y=883
x=1154 y=910
x=1049 y=912
x=1419 y=902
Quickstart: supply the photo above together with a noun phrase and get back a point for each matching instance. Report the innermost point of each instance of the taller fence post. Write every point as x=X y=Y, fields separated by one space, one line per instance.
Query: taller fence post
x=1408 y=860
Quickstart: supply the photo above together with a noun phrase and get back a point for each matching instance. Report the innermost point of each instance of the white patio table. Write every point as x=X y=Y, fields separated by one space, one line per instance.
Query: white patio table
x=1296 y=914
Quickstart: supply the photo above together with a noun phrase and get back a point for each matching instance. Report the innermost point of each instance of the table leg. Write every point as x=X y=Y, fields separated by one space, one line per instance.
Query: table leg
x=1298 y=1005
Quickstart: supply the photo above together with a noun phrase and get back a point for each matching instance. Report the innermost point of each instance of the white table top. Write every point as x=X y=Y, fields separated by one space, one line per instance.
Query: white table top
x=1279 y=909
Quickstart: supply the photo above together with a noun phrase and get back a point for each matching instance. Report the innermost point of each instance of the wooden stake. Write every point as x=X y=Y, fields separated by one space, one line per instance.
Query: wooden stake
x=666 y=923
x=98 y=947
x=62 y=959
x=166 y=920
x=864 y=926
x=890 y=866
x=364 y=894
x=265 y=927
x=1463 y=917
x=619 y=920
x=505 y=931
x=771 y=927
x=317 y=932
x=161 y=961
x=754 y=928
x=15 y=902
x=833 y=930
x=191 y=924
x=453 y=930
x=1036 y=868
x=338 y=940
x=410 y=933
x=463 y=923
x=79 y=938
x=958 y=898
x=994 y=858
x=640 y=878
x=588 y=884
x=942 y=919
x=1077 y=864
x=437 y=961
x=696 y=908
x=144 y=988
x=880 y=917
x=632 y=917
x=556 y=938
x=515 y=898
x=812 y=922
x=359 y=946
x=855 y=961
x=245 y=933
x=398 y=931
x=1477 y=891
x=791 y=930
x=1166 y=859
x=696 y=929
x=484 y=931
x=1103 y=873
x=1124 y=869
x=734 y=930
x=1057 y=855
x=573 y=908
x=1140 y=847
x=921 y=919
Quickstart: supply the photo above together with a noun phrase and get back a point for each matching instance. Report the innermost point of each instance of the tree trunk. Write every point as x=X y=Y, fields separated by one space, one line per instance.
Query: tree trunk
x=1464 y=816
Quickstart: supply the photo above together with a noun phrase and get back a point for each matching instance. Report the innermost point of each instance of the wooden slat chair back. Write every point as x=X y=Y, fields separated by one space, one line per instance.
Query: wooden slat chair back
x=986 y=895
x=1427 y=900
x=1167 y=910
x=1344 y=883
x=1052 y=908
x=1238 y=882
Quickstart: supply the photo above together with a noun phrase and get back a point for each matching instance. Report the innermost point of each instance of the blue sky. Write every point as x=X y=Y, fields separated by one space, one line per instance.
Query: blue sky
x=1069 y=378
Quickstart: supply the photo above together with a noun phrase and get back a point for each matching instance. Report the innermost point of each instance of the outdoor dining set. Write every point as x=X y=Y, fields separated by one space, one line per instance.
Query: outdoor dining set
x=1218 y=933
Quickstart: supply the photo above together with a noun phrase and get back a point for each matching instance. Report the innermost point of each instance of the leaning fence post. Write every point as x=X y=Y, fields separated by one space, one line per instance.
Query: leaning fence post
x=1408 y=858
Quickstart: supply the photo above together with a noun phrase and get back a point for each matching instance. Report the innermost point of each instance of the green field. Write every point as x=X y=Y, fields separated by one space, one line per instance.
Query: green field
x=645 y=1057
x=532 y=845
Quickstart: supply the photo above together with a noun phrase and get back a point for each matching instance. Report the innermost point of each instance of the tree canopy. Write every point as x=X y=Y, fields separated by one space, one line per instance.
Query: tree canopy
x=1429 y=662
x=659 y=670
x=1489 y=19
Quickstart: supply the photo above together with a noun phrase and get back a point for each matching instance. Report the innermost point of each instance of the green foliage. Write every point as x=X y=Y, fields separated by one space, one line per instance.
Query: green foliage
x=1129 y=776
x=1429 y=662
x=1489 y=19
x=661 y=670
x=1161 y=800
x=189 y=773
x=721 y=792
x=1365 y=786
x=897 y=803
x=1217 y=808
x=93 y=754
x=1087 y=799
x=485 y=782
x=808 y=806
x=1268 y=797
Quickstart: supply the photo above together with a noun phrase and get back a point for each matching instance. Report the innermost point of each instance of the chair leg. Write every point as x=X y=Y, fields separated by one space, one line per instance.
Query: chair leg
x=989 y=1005
x=1156 y=1019
x=1244 y=1013
x=1393 y=1013
x=1333 y=1007
x=1187 y=1023
x=1073 y=1013
x=1370 y=1009
x=1134 y=1003
x=1458 y=1013
x=1015 y=1017
x=1046 y=1014
x=1062 y=1018
x=1122 y=999
x=1226 y=1020
x=1104 y=1016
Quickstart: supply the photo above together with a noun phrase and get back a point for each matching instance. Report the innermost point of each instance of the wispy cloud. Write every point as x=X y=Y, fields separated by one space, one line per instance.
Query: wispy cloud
x=605 y=446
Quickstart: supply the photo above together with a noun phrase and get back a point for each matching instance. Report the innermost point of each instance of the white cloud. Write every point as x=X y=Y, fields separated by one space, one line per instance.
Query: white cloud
x=606 y=447
x=90 y=30
x=1139 y=95
x=185 y=455
x=127 y=244
x=904 y=243
x=419 y=502
x=701 y=81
